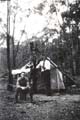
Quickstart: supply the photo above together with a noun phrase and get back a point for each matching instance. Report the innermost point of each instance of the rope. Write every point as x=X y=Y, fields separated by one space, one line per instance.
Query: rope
x=64 y=72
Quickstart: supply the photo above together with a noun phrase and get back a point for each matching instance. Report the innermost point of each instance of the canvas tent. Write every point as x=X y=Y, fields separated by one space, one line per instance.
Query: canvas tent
x=56 y=77
x=25 y=68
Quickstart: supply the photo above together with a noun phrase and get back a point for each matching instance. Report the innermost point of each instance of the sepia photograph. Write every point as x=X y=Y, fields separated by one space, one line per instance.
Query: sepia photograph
x=39 y=59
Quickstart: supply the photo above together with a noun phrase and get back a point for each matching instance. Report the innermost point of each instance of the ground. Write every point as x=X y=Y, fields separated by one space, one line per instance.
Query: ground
x=56 y=107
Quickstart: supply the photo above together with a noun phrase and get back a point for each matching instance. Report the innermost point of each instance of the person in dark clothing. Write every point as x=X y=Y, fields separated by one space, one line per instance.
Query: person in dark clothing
x=33 y=77
x=23 y=87
x=44 y=64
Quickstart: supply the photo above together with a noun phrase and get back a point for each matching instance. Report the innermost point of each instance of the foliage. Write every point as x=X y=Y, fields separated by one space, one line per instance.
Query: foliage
x=59 y=41
x=72 y=21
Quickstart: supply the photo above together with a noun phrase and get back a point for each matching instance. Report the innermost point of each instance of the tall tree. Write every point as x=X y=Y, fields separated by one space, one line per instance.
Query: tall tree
x=71 y=22
x=8 y=47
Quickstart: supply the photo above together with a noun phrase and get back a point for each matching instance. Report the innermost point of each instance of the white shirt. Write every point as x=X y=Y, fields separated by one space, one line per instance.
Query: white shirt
x=45 y=65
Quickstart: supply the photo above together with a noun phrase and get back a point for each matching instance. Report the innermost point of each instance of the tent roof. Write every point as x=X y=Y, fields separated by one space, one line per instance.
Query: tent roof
x=26 y=68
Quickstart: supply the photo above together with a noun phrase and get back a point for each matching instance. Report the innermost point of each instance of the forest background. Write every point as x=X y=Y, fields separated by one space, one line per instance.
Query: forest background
x=53 y=26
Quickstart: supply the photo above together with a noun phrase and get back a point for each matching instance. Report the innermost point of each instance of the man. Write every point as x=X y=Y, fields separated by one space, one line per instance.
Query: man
x=23 y=86
x=45 y=73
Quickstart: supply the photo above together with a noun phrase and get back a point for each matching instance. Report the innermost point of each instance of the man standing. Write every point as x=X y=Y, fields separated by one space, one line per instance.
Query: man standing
x=45 y=73
x=23 y=86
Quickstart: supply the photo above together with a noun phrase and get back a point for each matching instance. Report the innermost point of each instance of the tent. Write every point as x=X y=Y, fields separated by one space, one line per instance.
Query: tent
x=56 y=77
x=25 y=68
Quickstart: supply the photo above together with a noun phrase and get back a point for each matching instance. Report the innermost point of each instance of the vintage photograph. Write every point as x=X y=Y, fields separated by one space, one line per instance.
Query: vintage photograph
x=39 y=59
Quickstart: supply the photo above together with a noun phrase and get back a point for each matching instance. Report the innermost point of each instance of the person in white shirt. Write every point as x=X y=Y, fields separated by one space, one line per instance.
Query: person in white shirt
x=44 y=64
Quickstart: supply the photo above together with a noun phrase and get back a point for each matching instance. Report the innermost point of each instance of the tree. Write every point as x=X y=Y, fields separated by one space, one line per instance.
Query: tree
x=71 y=22
x=10 y=81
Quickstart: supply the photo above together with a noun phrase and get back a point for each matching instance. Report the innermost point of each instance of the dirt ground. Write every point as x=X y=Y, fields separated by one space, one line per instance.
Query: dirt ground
x=56 y=107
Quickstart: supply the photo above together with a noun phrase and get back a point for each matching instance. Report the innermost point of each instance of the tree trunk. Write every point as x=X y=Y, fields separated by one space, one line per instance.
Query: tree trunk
x=13 y=54
x=9 y=87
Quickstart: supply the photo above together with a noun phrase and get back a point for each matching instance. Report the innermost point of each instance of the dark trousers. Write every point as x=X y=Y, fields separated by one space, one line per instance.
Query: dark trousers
x=22 y=94
x=33 y=76
x=46 y=78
